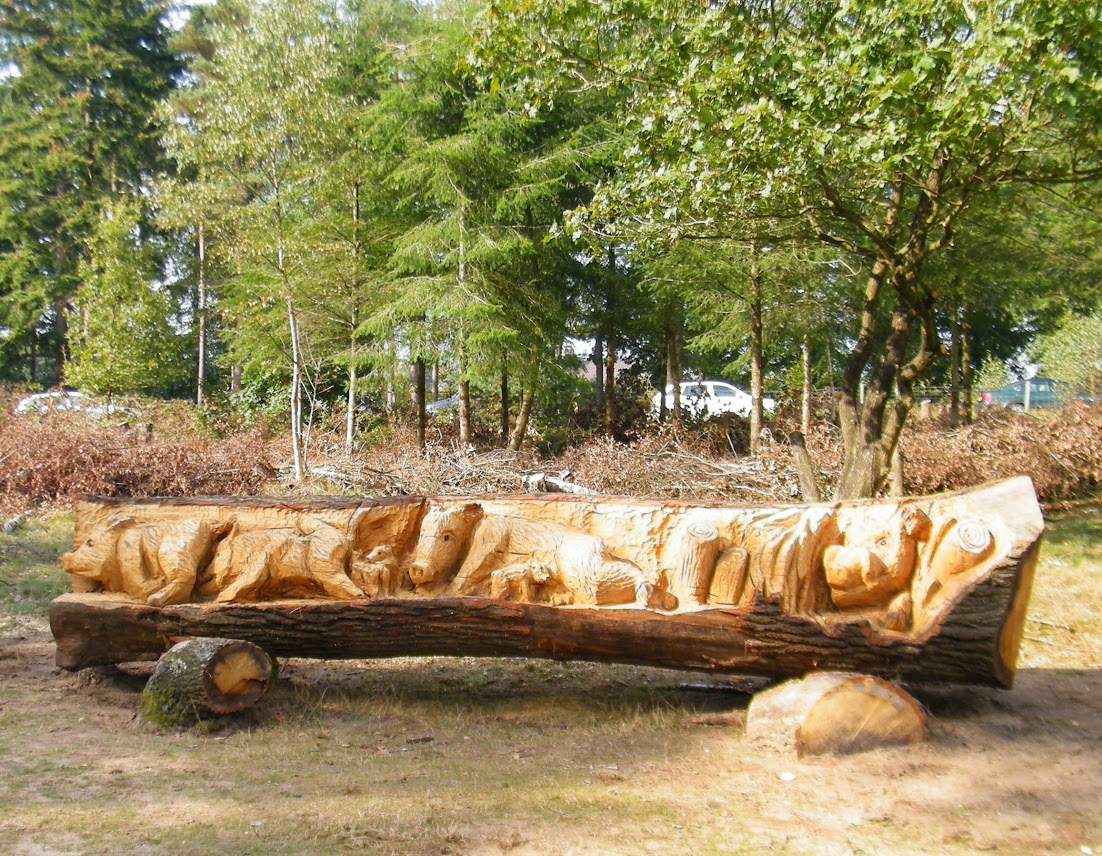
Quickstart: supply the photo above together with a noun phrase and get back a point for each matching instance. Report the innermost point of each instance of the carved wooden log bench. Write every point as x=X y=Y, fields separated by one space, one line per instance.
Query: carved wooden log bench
x=924 y=589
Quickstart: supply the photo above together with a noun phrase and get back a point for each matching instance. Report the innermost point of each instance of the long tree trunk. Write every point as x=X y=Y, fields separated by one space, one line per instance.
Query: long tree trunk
x=954 y=366
x=504 y=398
x=296 y=392
x=201 y=316
x=419 y=398
x=675 y=371
x=966 y=363
x=390 y=396
x=599 y=370
x=464 y=393
x=464 y=411
x=663 y=374
x=872 y=428
x=350 y=416
x=805 y=398
x=61 y=337
x=610 y=386
x=755 y=351
x=521 y=427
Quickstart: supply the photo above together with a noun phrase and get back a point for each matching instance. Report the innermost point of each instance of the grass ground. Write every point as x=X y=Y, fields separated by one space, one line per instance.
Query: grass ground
x=476 y=756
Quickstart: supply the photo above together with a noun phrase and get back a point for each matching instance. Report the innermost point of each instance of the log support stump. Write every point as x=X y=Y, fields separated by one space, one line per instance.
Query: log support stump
x=834 y=713
x=200 y=678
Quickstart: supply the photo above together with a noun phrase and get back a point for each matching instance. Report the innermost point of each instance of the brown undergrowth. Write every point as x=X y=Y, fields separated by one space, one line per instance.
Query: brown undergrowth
x=50 y=460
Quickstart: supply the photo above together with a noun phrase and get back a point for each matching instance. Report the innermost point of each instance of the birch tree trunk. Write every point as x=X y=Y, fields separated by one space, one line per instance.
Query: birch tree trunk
x=350 y=417
x=201 y=317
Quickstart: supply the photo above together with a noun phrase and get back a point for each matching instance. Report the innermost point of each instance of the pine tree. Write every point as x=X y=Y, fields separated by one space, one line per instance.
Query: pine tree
x=76 y=128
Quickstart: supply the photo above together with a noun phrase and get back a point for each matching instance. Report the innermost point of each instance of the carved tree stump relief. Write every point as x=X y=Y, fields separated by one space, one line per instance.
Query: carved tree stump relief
x=897 y=570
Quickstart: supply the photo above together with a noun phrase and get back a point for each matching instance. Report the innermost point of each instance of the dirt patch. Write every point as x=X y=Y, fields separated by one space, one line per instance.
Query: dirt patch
x=474 y=756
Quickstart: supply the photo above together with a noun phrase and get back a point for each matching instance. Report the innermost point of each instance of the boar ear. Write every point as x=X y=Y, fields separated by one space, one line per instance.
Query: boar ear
x=916 y=523
x=120 y=523
x=472 y=510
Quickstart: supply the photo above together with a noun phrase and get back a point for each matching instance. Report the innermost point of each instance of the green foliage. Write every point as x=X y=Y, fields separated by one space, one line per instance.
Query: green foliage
x=121 y=339
x=76 y=128
x=1072 y=353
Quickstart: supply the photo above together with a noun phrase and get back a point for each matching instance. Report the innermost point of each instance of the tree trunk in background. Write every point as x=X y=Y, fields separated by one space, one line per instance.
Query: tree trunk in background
x=755 y=352
x=954 y=367
x=436 y=381
x=805 y=468
x=599 y=369
x=805 y=399
x=896 y=485
x=521 y=427
x=610 y=386
x=391 y=394
x=296 y=392
x=675 y=373
x=61 y=334
x=419 y=397
x=663 y=375
x=350 y=416
x=201 y=317
x=504 y=398
x=235 y=379
x=463 y=393
x=464 y=412
x=966 y=363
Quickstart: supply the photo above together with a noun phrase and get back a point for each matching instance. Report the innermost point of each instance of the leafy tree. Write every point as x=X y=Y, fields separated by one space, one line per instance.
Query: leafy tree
x=485 y=268
x=256 y=134
x=77 y=95
x=122 y=339
x=1072 y=353
x=865 y=126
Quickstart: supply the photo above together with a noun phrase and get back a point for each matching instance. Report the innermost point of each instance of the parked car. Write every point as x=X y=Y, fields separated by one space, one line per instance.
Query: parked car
x=1043 y=392
x=65 y=400
x=442 y=404
x=710 y=398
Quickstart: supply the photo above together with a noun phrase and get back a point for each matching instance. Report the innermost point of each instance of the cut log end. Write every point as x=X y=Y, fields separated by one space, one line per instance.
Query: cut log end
x=835 y=713
x=198 y=678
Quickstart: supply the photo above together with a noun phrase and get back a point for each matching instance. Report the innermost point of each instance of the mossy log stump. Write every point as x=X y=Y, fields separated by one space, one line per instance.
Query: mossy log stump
x=199 y=678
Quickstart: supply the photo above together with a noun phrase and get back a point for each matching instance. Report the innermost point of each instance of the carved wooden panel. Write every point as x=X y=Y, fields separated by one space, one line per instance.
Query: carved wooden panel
x=896 y=567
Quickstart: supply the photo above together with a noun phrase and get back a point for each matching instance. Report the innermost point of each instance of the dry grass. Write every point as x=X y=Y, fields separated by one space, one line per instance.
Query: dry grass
x=527 y=757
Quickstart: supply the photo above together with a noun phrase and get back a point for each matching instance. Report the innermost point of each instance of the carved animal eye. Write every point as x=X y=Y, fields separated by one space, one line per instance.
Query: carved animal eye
x=89 y=542
x=883 y=542
x=447 y=537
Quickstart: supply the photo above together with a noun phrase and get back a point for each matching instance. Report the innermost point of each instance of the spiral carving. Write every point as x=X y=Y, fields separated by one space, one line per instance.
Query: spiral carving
x=973 y=537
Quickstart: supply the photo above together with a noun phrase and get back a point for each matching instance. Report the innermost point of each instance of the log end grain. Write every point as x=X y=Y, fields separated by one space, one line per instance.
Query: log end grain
x=200 y=678
x=835 y=713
